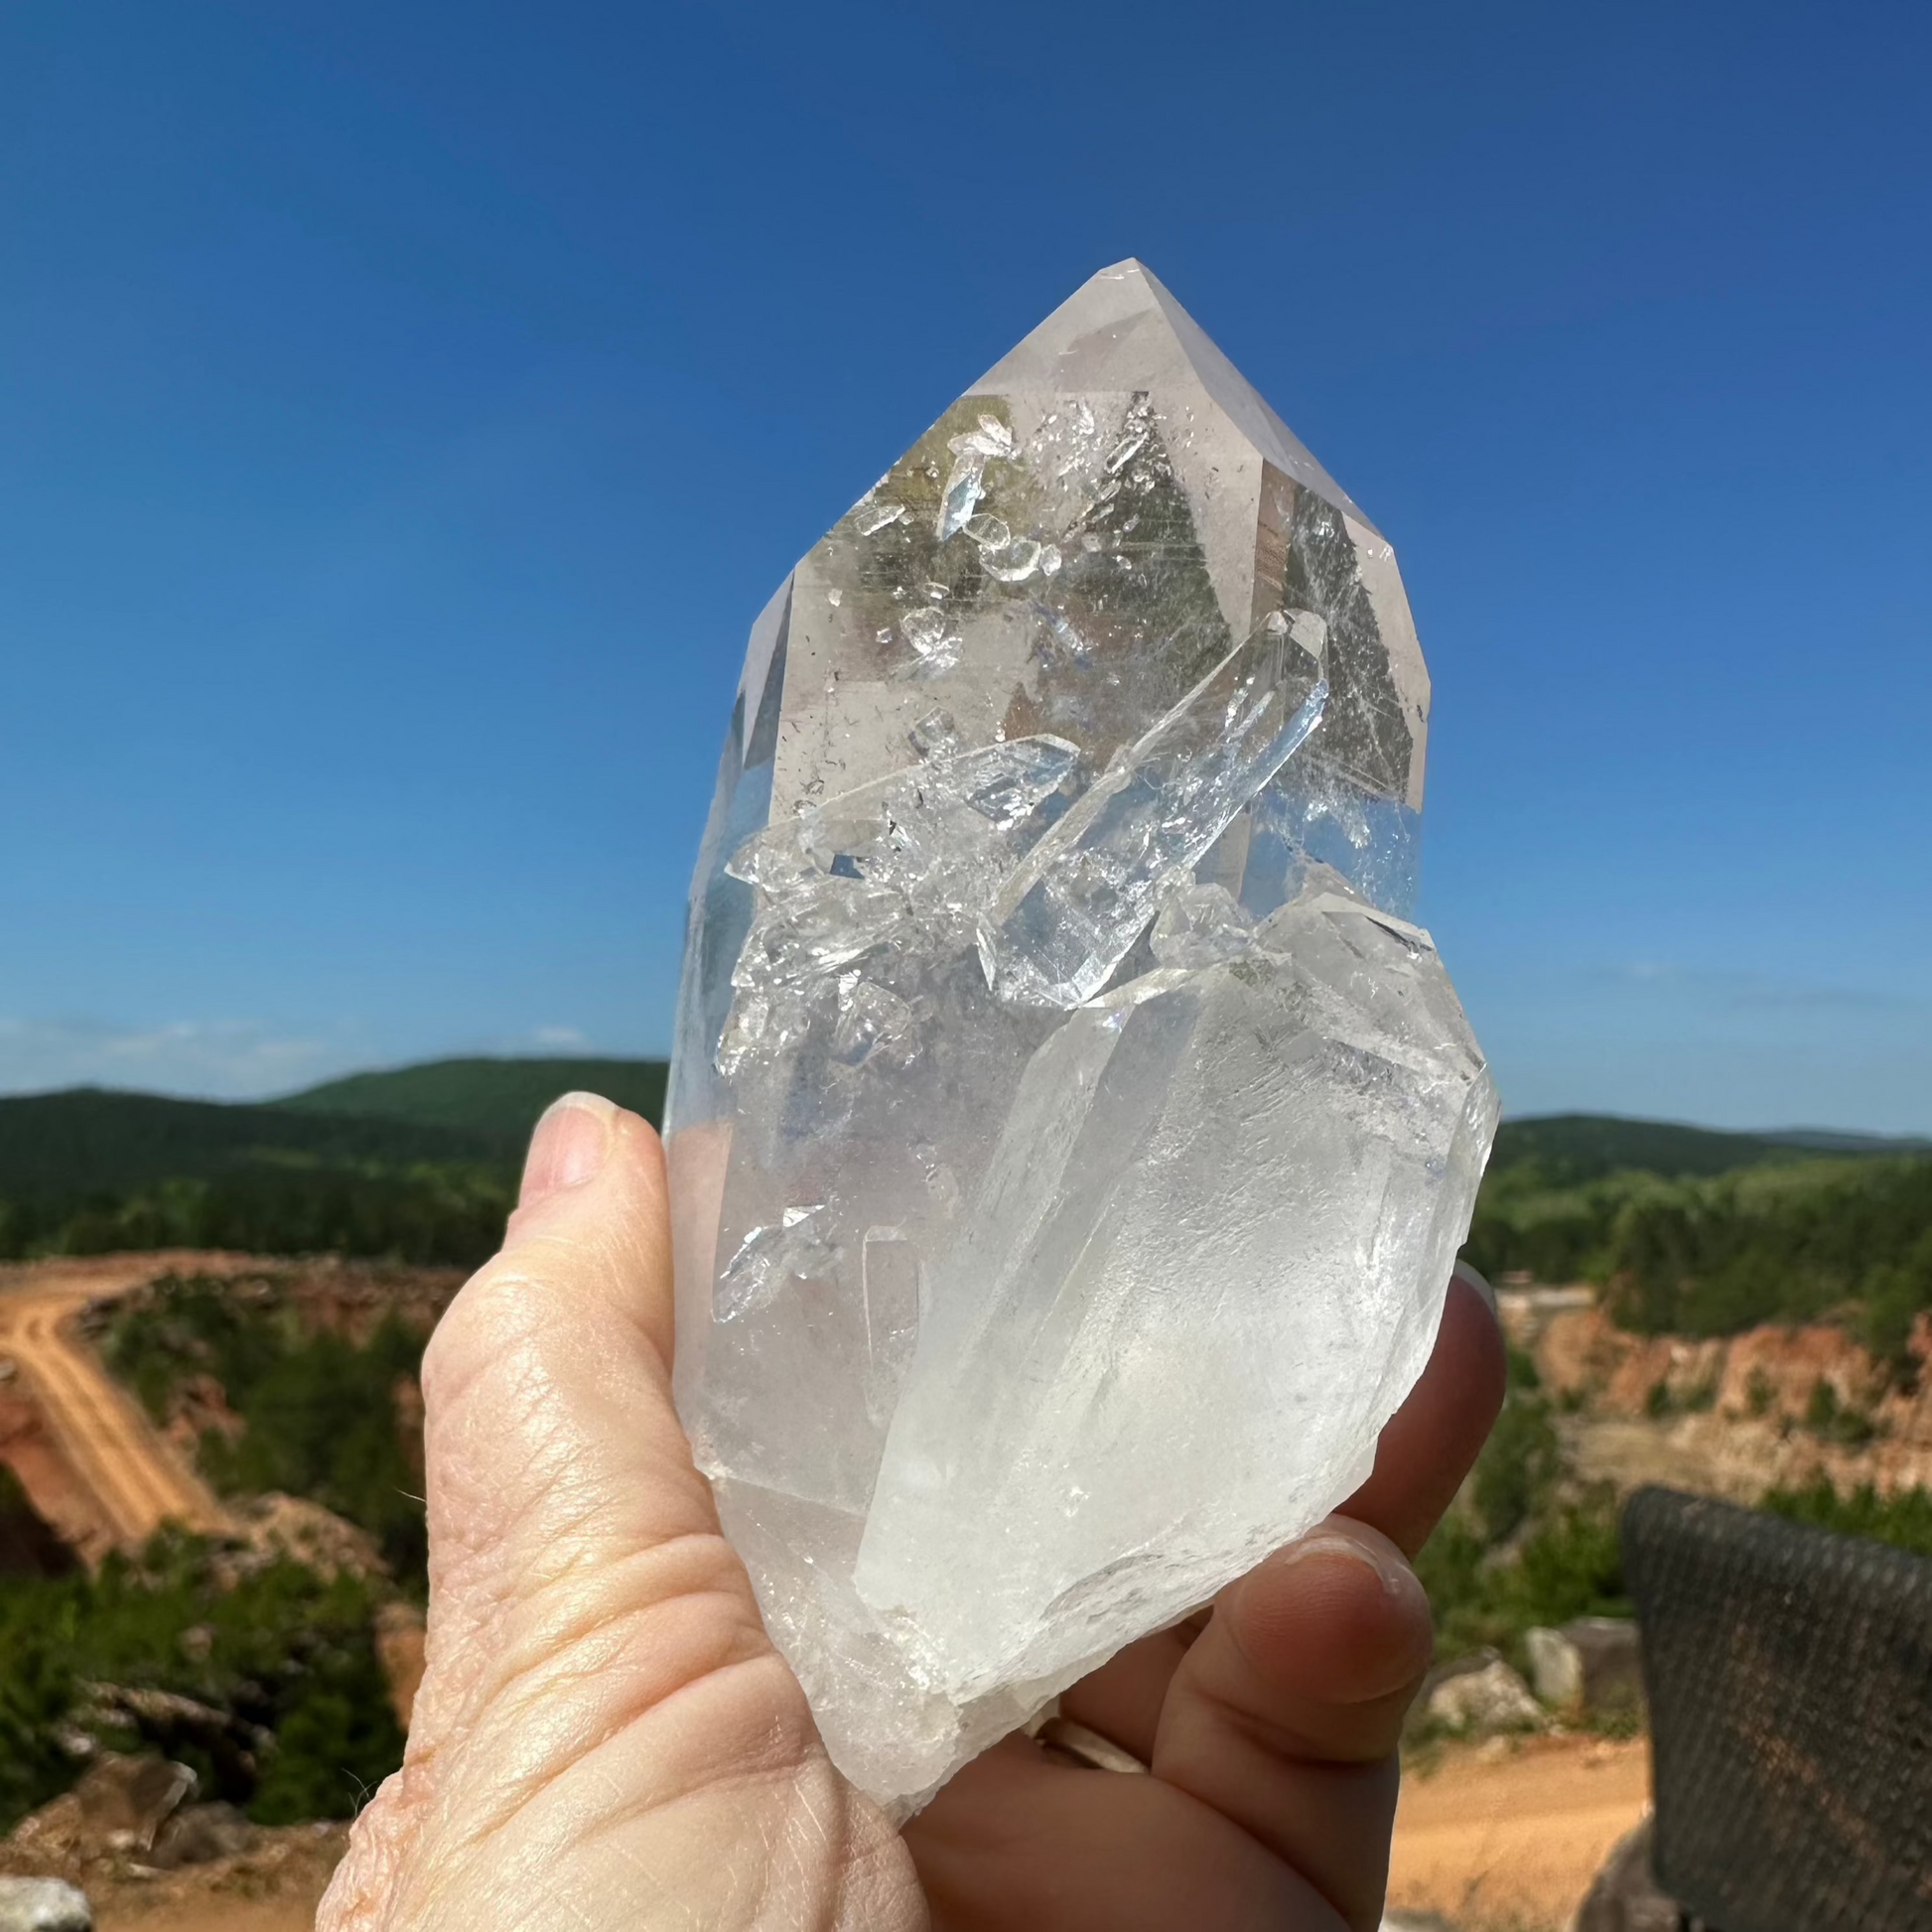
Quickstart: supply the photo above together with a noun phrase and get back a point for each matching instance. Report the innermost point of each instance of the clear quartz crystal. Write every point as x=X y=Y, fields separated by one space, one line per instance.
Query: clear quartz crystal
x=1071 y=1138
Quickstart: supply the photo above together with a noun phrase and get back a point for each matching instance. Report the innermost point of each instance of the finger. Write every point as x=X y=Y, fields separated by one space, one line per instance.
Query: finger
x=1016 y=1840
x=1423 y=1456
x=1121 y=1700
x=1432 y=1440
x=603 y=1716
x=1285 y=1714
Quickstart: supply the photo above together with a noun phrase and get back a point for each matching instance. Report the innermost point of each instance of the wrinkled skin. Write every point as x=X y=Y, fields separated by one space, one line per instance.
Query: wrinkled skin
x=606 y=1737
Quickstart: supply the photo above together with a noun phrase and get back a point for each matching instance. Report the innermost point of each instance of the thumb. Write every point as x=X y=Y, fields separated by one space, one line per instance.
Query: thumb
x=554 y=1455
x=604 y=1726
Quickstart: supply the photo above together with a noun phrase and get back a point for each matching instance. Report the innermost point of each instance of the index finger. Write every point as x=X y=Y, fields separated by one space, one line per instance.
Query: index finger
x=1433 y=1440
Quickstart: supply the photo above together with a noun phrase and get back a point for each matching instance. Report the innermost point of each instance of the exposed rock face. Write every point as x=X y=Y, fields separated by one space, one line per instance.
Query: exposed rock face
x=44 y=1905
x=56 y=1496
x=1735 y=1409
x=1485 y=1700
x=1590 y=1668
x=176 y=1726
x=201 y=1408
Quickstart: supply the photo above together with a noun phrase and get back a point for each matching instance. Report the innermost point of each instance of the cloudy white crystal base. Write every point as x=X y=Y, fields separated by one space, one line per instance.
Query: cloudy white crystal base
x=1205 y=1266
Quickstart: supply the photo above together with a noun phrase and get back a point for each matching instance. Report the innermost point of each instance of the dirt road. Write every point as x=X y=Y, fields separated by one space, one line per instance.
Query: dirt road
x=129 y=1480
x=1514 y=1840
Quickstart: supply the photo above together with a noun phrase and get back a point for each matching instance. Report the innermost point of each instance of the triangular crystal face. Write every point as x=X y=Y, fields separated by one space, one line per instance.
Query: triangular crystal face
x=1069 y=1137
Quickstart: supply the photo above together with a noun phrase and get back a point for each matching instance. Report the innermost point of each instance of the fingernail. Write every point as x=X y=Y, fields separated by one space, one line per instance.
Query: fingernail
x=1338 y=1537
x=1478 y=1282
x=568 y=1148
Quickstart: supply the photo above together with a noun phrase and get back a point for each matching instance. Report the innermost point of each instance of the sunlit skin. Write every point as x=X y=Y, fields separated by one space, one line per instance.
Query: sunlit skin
x=606 y=1737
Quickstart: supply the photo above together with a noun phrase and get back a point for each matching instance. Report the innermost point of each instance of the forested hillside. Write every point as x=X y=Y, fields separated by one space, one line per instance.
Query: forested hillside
x=495 y=1099
x=419 y=1164
x=1686 y=1229
x=1786 y=1233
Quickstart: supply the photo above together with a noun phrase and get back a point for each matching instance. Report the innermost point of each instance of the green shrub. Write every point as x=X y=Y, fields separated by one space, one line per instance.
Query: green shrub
x=424 y=1213
x=1521 y=1460
x=1835 y=1421
x=1515 y=1554
x=1903 y=1520
x=1566 y=1566
x=284 y=1649
x=317 y=1411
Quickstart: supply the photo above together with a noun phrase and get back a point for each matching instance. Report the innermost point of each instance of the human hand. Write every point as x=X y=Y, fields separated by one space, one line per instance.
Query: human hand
x=605 y=1737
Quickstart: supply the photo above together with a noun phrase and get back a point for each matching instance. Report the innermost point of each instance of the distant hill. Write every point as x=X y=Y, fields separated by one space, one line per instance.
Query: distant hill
x=91 y=1141
x=1567 y=1150
x=419 y=1164
x=496 y=1099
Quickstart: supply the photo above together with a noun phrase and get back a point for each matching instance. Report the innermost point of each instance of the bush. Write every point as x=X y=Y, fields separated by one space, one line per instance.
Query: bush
x=283 y=1649
x=317 y=1411
x=426 y=1213
x=1520 y=1460
x=1513 y=1553
x=1567 y=1566
x=1904 y=1520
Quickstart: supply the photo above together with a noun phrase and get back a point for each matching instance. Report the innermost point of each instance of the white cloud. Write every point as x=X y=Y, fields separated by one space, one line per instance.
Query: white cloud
x=230 y=1059
x=227 y=1059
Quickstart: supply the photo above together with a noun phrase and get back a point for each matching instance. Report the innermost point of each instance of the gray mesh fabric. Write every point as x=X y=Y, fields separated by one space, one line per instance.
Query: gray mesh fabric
x=1789 y=1675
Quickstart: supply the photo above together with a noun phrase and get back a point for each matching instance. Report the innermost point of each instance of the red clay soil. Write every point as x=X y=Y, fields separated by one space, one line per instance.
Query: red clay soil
x=91 y=1465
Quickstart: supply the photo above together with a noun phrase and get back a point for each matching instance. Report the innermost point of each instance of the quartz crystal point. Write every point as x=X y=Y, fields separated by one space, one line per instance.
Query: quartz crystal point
x=1070 y=1137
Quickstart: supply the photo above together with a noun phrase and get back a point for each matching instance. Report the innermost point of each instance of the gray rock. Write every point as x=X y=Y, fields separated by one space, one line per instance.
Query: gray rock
x=123 y=1800
x=44 y=1905
x=196 y=1834
x=1623 y=1896
x=1481 y=1701
x=1555 y=1669
x=1612 y=1665
x=1415 y=1922
x=119 y=1804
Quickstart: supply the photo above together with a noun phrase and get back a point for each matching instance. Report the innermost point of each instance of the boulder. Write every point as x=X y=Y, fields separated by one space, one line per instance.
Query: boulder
x=1483 y=1700
x=1555 y=1669
x=44 y=1905
x=1415 y=1922
x=197 y=1833
x=1613 y=1666
x=1623 y=1896
x=117 y=1806
x=274 y=1526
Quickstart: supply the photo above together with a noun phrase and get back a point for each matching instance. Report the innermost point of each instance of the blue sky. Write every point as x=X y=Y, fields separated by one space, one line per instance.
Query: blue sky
x=404 y=410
